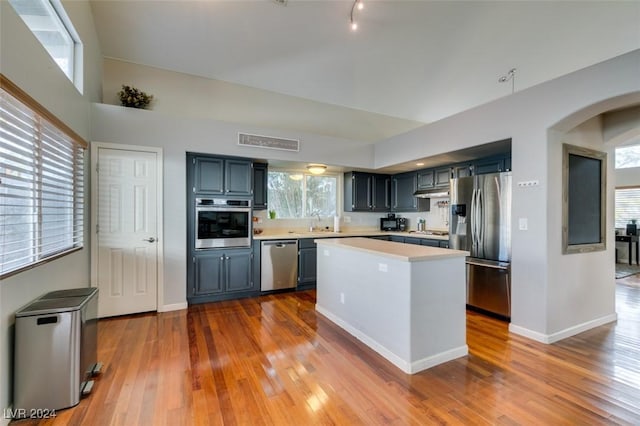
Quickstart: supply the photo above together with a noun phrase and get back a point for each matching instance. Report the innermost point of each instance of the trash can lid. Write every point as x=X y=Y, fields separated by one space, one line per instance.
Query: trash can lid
x=72 y=292
x=51 y=306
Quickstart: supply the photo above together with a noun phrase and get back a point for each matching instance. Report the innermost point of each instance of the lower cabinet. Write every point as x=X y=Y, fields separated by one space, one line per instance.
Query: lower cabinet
x=307 y=264
x=221 y=274
x=431 y=243
x=397 y=239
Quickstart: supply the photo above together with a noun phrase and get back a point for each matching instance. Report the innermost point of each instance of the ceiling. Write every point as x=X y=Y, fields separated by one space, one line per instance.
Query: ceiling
x=412 y=60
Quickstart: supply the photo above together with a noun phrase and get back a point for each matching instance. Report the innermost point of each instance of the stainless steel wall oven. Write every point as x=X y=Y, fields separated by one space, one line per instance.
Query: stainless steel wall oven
x=222 y=223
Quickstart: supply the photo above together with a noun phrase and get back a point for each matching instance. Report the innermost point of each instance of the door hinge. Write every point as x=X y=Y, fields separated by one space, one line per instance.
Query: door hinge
x=97 y=167
x=97 y=228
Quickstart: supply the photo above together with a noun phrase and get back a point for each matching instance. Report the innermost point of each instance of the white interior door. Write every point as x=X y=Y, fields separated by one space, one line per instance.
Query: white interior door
x=127 y=231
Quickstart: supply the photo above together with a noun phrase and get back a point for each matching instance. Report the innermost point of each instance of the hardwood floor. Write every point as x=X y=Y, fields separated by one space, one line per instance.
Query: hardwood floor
x=274 y=361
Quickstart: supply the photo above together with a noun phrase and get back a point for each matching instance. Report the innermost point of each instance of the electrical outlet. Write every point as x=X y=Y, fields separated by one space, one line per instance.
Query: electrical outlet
x=342 y=298
x=382 y=267
x=523 y=224
x=347 y=219
x=325 y=252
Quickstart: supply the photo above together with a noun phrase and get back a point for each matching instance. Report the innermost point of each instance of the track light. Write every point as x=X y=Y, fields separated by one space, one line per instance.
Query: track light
x=510 y=75
x=357 y=4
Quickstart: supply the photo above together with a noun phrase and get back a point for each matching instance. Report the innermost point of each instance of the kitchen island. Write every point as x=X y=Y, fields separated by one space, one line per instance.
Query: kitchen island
x=406 y=302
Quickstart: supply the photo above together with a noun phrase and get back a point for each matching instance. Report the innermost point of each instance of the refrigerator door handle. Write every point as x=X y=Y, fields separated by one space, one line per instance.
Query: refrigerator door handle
x=472 y=217
x=480 y=221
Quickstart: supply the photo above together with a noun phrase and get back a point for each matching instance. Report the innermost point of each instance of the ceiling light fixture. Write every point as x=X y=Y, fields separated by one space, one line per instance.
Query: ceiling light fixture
x=510 y=75
x=357 y=4
x=316 y=169
x=419 y=164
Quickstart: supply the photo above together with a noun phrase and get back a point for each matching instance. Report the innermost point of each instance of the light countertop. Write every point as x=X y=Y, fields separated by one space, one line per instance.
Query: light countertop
x=284 y=234
x=400 y=251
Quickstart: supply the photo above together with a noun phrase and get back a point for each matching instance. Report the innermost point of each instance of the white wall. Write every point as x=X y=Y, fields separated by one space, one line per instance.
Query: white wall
x=179 y=94
x=25 y=62
x=581 y=286
x=526 y=117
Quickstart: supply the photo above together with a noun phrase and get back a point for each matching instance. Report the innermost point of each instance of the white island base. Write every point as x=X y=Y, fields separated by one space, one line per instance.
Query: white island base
x=405 y=302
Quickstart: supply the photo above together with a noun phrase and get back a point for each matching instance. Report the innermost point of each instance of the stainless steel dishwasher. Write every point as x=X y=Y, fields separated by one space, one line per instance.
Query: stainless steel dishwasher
x=278 y=264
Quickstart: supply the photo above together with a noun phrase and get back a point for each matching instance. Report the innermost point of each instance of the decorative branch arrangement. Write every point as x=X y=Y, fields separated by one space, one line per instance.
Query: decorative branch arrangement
x=134 y=98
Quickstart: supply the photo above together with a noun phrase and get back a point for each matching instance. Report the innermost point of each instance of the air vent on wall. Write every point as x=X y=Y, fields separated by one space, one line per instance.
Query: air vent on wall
x=268 y=142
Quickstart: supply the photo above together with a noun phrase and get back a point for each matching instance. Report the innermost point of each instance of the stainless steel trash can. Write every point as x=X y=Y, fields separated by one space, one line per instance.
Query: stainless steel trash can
x=55 y=350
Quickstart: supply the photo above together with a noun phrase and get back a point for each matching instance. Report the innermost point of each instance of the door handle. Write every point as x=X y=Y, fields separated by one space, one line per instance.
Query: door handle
x=150 y=240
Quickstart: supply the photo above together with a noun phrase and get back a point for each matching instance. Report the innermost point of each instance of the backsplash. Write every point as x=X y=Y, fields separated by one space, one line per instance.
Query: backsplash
x=437 y=218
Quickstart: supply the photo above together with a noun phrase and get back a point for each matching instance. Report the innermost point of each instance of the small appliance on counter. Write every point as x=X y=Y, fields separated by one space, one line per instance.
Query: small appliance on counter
x=393 y=223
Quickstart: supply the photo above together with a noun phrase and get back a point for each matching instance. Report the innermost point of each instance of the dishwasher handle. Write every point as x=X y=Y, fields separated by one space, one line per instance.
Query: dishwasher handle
x=280 y=243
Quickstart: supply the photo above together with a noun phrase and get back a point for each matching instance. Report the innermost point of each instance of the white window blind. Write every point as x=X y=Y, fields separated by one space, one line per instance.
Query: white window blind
x=41 y=188
x=627 y=206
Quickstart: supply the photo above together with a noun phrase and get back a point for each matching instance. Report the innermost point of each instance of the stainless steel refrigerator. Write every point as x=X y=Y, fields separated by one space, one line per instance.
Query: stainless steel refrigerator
x=480 y=223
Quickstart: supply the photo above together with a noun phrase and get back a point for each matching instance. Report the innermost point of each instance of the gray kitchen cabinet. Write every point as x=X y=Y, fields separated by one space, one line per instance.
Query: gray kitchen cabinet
x=208 y=175
x=441 y=177
x=429 y=242
x=221 y=274
x=402 y=188
x=507 y=163
x=425 y=179
x=488 y=165
x=444 y=244
x=412 y=240
x=208 y=270
x=260 y=181
x=307 y=264
x=381 y=192
x=461 y=170
x=221 y=176
x=237 y=177
x=397 y=239
x=366 y=192
x=381 y=237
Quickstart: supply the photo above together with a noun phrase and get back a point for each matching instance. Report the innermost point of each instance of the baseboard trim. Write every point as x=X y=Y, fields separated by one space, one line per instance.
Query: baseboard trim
x=405 y=366
x=562 y=334
x=173 y=307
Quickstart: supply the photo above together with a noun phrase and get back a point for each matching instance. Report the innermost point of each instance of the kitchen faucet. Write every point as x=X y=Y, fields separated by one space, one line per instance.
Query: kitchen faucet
x=317 y=214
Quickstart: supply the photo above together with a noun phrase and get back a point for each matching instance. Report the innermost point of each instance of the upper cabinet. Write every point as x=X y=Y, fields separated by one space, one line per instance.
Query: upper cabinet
x=367 y=192
x=260 y=178
x=208 y=175
x=488 y=165
x=222 y=176
x=441 y=177
x=402 y=188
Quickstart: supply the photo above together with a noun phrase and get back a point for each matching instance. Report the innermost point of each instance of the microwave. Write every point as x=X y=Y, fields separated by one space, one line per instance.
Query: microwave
x=393 y=224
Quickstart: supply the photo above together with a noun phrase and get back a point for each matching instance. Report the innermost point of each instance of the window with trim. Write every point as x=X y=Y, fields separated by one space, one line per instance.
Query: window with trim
x=41 y=183
x=48 y=21
x=297 y=195
x=627 y=206
x=628 y=156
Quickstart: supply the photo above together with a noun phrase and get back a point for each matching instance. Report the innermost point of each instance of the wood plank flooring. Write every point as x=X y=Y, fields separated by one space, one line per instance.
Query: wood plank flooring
x=274 y=361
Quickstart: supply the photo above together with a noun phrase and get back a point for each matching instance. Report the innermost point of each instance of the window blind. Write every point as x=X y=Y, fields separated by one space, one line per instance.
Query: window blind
x=41 y=188
x=627 y=206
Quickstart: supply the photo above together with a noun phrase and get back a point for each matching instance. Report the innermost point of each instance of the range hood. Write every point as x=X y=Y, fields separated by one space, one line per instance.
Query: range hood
x=432 y=193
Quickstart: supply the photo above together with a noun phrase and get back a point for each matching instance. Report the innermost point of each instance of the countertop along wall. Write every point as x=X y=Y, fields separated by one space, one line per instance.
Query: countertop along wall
x=25 y=62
